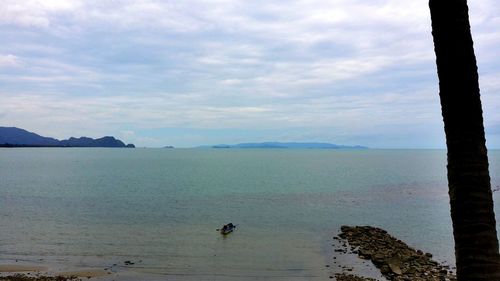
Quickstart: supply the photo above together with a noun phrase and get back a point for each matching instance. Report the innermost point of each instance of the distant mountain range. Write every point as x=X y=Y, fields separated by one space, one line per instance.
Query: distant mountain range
x=317 y=145
x=16 y=137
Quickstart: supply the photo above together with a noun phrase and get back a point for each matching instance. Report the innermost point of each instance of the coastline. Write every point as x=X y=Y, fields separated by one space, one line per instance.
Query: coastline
x=19 y=271
x=360 y=253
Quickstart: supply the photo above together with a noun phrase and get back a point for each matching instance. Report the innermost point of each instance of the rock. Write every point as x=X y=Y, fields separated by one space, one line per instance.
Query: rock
x=384 y=269
x=395 y=267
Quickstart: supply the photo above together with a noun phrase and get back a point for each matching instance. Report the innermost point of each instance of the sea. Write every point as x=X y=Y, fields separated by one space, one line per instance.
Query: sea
x=159 y=209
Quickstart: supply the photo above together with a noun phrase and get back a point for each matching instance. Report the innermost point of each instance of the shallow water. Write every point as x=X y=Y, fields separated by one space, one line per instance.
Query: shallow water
x=160 y=207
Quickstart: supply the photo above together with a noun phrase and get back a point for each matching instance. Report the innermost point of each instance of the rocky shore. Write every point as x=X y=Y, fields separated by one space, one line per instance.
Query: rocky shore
x=24 y=277
x=394 y=258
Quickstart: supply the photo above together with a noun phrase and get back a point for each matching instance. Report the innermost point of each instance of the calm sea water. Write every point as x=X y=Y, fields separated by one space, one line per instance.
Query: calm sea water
x=160 y=207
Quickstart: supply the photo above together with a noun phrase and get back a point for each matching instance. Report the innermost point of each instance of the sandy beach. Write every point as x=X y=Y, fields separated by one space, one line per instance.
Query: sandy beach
x=20 y=272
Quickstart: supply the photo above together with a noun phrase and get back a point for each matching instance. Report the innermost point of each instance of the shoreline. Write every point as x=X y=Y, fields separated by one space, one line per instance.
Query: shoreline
x=29 y=271
x=360 y=253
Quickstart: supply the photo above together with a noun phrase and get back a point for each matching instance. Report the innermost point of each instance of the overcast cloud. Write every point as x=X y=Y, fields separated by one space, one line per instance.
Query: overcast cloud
x=195 y=72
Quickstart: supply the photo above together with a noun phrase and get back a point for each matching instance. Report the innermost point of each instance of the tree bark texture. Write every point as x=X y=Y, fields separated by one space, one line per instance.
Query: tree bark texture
x=471 y=200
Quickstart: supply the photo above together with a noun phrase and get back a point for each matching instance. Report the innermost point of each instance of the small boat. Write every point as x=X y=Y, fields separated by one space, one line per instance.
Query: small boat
x=228 y=228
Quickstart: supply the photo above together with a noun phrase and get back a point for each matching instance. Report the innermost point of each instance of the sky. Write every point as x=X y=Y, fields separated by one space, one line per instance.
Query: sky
x=194 y=72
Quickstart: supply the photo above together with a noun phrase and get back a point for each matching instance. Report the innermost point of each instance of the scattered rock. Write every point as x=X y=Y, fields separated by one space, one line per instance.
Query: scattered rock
x=350 y=277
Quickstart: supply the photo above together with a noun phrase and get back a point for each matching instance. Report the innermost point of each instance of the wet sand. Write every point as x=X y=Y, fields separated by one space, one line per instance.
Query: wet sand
x=21 y=268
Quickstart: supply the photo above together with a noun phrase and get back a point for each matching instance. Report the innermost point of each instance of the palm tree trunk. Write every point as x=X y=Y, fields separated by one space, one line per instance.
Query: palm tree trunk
x=474 y=226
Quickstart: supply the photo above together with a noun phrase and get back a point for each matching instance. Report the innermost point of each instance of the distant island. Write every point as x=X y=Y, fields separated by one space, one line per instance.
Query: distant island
x=317 y=145
x=16 y=137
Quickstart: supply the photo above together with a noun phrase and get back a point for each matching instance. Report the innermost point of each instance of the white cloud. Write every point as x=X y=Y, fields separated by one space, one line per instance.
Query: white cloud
x=9 y=60
x=11 y=14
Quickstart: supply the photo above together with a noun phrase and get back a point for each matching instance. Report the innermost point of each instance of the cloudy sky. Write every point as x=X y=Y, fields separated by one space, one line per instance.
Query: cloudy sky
x=194 y=72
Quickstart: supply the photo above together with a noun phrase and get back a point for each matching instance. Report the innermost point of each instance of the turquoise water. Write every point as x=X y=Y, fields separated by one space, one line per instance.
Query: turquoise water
x=160 y=207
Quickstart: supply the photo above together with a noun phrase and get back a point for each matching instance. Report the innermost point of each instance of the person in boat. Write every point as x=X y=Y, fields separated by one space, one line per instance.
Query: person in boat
x=227 y=228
